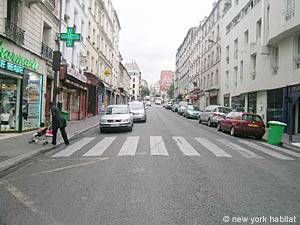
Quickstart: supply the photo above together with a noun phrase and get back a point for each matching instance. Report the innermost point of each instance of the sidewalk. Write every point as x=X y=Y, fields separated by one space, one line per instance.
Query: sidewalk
x=15 y=149
x=294 y=144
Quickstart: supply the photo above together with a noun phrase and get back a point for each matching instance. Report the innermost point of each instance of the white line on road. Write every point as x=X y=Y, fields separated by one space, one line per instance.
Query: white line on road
x=73 y=148
x=129 y=147
x=239 y=149
x=289 y=152
x=185 y=147
x=266 y=151
x=157 y=146
x=212 y=147
x=100 y=148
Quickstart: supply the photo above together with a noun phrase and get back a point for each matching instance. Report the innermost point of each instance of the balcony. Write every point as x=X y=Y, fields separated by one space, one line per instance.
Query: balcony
x=46 y=52
x=14 y=33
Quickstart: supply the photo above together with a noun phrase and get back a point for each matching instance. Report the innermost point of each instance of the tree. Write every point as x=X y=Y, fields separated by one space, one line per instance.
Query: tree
x=145 y=92
x=171 y=91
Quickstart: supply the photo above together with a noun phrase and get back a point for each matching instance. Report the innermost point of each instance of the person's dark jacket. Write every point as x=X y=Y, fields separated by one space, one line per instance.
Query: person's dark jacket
x=58 y=121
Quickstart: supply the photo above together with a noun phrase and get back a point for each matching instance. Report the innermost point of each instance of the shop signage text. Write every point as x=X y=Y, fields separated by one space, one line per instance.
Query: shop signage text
x=76 y=74
x=17 y=59
x=11 y=67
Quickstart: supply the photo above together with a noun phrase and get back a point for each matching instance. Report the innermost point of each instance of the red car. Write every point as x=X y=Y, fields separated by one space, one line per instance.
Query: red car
x=241 y=123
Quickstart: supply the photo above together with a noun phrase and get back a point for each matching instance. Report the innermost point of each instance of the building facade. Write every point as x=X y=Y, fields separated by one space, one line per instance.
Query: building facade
x=135 y=77
x=166 y=79
x=28 y=31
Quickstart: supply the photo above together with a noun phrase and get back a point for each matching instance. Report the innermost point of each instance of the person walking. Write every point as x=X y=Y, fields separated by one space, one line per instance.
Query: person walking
x=58 y=122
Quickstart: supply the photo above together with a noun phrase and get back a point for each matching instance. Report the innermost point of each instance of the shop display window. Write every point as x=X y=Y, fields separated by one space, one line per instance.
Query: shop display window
x=9 y=96
x=31 y=104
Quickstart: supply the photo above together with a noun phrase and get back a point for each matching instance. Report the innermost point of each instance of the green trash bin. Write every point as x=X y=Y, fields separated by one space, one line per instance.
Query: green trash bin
x=65 y=115
x=275 y=132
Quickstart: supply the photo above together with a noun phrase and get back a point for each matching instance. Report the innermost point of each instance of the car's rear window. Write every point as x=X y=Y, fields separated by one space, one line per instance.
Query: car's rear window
x=116 y=110
x=136 y=105
x=193 y=107
x=224 y=110
x=250 y=117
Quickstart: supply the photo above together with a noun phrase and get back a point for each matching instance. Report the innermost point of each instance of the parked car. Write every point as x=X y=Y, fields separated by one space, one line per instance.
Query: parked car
x=168 y=105
x=241 y=123
x=182 y=106
x=147 y=103
x=213 y=114
x=116 y=117
x=175 y=107
x=192 y=111
x=138 y=110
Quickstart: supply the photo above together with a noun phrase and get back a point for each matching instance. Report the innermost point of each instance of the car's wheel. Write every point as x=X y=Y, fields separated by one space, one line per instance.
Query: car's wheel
x=101 y=130
x=209 y=123
x=258 y=137
x=130 y=129
x=232 y=131
x=199 y=121
x=219 y=127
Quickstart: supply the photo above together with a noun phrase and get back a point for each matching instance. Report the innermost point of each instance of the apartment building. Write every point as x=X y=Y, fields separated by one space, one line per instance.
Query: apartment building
x=166 y=79
x=183 y=63
x=135 y=77
x=260 y=61
x=28 y=30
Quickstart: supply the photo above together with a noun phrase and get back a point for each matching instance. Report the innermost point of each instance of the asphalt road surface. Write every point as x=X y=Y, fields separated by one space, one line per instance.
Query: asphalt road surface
x=169 y=170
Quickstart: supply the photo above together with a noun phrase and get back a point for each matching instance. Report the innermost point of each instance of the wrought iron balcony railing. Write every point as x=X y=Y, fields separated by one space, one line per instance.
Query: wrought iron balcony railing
x=14 y=32
x=46 y=51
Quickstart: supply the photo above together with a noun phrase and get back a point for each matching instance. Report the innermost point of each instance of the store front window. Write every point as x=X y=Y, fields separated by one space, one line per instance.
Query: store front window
x=9 y=97
x=238 y=103
x=252 y=101
x=31 y=104
x=275 y=105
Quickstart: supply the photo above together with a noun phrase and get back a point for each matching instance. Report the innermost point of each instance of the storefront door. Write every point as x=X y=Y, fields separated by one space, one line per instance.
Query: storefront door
x=9 y=98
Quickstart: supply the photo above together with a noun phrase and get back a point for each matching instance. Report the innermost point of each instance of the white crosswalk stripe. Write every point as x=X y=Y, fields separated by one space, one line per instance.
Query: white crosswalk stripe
x=266 y=151
x=129 y=147
x=289 y=152
x=73 y=148
x=185 y=147
x=157 y=146
x=100 y=147
x=239 y=149
x=212 y=147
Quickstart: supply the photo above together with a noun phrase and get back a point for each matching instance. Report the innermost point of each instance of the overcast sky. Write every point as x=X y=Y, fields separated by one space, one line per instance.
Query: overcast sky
x=152 y=30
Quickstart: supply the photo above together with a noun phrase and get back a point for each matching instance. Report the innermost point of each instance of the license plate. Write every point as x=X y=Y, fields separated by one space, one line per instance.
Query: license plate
x=115 y=125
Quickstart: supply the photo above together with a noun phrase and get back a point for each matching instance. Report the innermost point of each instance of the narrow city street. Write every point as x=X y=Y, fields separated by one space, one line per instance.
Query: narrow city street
x=169 y=170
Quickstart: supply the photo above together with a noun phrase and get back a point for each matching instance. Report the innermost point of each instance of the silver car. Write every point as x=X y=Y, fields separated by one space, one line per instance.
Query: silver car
x=213 y=114
x=116 y=117
x=138 y=110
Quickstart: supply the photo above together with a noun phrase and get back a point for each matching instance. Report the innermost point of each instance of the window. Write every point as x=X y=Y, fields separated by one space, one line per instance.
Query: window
x=253 y=65
x=241 y=70
x=217 y=77
x=258 y=29
x=227 y=54
x=133 y=86
x=133 y=92
x=227 y=79
x=133 y=79
x=298 y=44
x=212 y=79
x=246 y=37
x=275 y=105
x=274 y=59
x=290 y=9
x=252 y=101
x=268 y=20
x=235 y=76
x=236 y=2
x=236 y=48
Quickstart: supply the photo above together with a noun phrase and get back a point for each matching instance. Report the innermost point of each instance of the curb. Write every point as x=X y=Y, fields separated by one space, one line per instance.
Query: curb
x=13 y=164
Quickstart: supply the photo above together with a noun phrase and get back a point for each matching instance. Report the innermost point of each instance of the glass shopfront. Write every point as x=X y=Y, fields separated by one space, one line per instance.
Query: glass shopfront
x=9 y=98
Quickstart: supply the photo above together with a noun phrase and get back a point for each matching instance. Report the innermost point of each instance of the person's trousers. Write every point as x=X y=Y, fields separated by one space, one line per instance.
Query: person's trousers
x=63 y=134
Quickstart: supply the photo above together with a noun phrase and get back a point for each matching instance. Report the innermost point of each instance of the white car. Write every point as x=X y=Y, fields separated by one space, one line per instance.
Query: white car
x=116 y=117
x=138 y=110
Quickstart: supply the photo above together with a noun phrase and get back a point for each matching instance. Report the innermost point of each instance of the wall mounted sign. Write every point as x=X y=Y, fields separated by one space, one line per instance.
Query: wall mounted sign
x=107 y=72
x=70 y=37
x=17 y=59
x=11 y=67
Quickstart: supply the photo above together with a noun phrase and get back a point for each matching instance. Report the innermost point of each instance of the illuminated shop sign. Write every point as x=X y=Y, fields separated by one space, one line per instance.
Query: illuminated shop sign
x=11 y=67
x=70 y=37
x=15 y=58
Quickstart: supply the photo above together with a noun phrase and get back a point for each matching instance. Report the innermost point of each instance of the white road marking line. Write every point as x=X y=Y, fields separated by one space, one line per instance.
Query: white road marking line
x=266 y=151
x=100 y=147
x=73 y=148
x=157 y=146
x=239 y=149
x=129 y=147
x=212 y=147
x=68 y=167
x=20 y=196
x=289 y=152
x=185 y=147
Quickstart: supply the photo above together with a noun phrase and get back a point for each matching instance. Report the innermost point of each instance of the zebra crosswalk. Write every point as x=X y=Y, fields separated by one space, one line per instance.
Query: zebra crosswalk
x=166 y=146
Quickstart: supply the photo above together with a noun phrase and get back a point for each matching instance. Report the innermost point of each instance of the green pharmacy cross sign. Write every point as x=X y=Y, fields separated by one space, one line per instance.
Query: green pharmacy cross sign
x=70 y=37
